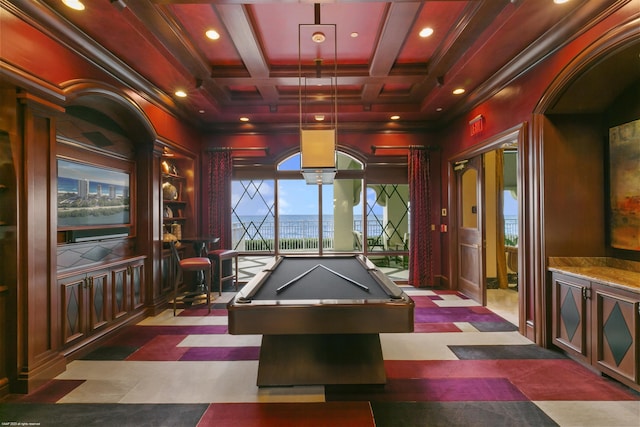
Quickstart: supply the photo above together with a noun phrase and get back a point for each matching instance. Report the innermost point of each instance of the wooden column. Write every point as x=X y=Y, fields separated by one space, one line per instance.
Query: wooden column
x=38 y=335
x=9 y=146
x=150 y=223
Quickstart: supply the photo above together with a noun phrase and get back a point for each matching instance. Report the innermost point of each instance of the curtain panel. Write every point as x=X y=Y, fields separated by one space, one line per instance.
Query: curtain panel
x=220 y=171
x=421 y=238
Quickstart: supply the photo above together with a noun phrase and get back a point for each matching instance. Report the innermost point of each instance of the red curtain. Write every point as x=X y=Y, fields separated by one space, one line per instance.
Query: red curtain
x=220 y=169
x=420 y=237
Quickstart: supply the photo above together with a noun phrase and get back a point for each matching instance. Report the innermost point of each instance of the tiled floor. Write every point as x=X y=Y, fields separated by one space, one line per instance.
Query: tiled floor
x=463 y=366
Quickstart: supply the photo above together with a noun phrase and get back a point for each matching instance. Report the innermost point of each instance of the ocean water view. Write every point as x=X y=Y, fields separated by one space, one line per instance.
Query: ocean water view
x=293 y=226
x=259 y=227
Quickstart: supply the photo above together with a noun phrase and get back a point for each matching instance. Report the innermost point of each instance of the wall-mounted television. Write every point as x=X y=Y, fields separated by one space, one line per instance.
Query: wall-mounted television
x=93 y=201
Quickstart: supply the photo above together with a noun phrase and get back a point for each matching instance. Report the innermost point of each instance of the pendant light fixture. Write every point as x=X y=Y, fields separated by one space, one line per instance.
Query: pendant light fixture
x=318 y=96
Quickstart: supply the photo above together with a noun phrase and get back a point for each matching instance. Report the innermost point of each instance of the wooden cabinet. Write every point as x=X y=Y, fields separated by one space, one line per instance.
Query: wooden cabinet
x=616 y=333
x=599 y=325
x=127 y=287
x=98 y=297
x=572 y=316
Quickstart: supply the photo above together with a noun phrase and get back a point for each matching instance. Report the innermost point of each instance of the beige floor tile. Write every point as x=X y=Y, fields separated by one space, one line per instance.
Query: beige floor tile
x=593 y=414
x=504 y=302
x=415 y=346
x=177 y=382
x=456 y=302
x=166 y=318
x=418 y=292
x=221 y=340
x=466 y=327
x=100 y=391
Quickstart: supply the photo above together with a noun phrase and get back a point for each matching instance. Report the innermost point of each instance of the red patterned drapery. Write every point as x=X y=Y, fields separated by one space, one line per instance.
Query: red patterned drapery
x=420 y=241
x=220 y=169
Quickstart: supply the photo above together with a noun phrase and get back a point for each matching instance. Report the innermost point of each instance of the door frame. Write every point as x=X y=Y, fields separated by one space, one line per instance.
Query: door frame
x=517 y=133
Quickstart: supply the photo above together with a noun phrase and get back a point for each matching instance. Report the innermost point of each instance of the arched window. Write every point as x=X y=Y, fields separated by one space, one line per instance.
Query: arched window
x=281 y=214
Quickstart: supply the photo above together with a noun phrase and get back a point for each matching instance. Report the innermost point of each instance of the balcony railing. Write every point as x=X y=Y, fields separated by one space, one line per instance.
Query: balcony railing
x=511 y=231
x=302 y=234
x=254 y=236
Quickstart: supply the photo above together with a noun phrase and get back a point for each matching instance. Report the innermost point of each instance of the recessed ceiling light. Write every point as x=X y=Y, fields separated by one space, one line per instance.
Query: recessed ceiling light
x=458 y=91
x=318 y=37
x=180 y=93
x=426 y=32
x=212 y=34
x=561 y=1
x=439 y=109
x=395 y=117
x=354 y=34
x=244 y=119
x=201 y=111
x=74 y=4
x=319 y=117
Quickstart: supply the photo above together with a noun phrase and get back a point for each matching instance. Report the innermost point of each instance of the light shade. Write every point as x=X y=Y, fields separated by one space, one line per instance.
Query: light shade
x=318 y=155
x=318 y=148
x=318 y=176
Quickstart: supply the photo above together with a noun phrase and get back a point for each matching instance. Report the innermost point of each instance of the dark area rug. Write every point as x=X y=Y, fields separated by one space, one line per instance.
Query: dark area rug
x=489 y=352
x=462 y=414
x=86 y=415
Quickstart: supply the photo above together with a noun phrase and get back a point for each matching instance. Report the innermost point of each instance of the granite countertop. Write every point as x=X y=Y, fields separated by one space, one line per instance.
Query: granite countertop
x=612 y=272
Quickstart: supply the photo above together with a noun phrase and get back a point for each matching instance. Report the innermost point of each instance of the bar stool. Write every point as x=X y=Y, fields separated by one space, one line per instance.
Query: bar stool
x=190 y=264
x=217 y=257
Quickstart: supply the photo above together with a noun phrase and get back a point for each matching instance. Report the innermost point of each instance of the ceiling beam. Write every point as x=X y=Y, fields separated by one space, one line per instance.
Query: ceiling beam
x=236 y=20
x=399 y=21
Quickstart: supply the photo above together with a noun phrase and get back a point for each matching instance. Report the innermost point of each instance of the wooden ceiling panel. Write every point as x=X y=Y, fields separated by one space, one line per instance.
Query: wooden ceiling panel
x=130 y=41
x=158 y=46
x=441 y=17
x=197 y=20
x=276 y=28
x=494 y=48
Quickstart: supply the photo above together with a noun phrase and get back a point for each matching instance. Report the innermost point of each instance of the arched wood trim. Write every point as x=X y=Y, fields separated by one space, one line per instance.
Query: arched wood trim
x=112 y=102
x=610 y=43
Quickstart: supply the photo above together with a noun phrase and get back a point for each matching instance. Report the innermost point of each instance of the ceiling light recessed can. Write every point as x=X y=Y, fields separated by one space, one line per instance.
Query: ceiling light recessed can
x=74 y=4
x=181 y=93
x=318 y=37
x=319 y=117
x=425 y=32
x=458 y=91
x=212 y=34
x=244 y=119
x=354 y=34
x=395 y=117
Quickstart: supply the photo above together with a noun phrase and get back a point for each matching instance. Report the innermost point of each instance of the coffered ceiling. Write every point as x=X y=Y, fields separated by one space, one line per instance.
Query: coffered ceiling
x=384 y=66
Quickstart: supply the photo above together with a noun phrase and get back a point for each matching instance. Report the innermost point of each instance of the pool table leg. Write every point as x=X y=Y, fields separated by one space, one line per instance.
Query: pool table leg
x=287 y=360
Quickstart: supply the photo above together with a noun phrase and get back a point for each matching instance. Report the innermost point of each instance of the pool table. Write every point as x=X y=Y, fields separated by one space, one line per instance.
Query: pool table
x=320 y=318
